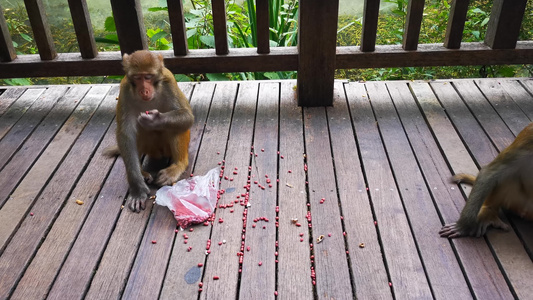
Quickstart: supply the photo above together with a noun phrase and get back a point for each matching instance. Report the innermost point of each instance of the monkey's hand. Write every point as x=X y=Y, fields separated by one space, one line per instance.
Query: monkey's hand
x=137 y=198
x=151 y=120
x=451 y=231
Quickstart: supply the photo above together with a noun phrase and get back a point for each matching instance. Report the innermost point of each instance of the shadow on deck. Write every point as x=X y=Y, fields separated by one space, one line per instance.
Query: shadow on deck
x=381 y=159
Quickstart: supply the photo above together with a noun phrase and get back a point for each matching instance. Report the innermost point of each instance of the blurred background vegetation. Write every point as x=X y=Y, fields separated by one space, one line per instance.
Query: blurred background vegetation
x=283 y=32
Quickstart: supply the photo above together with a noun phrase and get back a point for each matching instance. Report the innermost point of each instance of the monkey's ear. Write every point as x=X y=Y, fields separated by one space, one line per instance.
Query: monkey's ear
x=125 y=61
x=160 y=57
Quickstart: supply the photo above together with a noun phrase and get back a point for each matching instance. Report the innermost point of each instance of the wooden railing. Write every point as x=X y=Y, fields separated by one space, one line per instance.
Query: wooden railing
x=315 y=58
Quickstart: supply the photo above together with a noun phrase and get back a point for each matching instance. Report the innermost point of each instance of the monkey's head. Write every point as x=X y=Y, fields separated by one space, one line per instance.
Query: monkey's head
x=143 y=70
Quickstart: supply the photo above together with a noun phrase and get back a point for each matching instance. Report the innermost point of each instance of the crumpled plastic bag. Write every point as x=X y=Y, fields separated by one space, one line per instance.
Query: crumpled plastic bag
x=192 y=200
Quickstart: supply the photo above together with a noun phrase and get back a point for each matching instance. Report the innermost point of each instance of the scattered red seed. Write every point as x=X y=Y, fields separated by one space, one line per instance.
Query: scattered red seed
x=275 y=293
x=31 y=214
x=260 y=263
x=200 y=265
x=375 y=222
x=390 y=283
x=216 y=278
x=262 y=150
x=290 y=171
x=200 y=284
x=189 y=249
x=329 y=234
x=154 y=241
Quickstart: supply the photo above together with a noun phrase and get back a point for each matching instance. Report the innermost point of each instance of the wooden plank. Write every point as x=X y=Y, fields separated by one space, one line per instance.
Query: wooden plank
x=366 y=262
x=196 y=61
x=19 y=252
x=259 y=262
x=13 y=114
x=237 y=120
x=177 y=27
x=317 y=36
x=294 y=266
x=220 y=28
x=83 y=27
x=279 y=59
x=330 y=257
x=370 y=25
x=41 y=29
x=437 y=255
x=504 y=23
x=474 y=255
x=22 y=198
x=7 y=51
x=474 y=138
x=393 y=228
x=521 y=91
x=263 y=27
x=456 y=24
x=413 y=21
x=8 y=97
x=506 y=245
x=31 y=120
x=47 y=262
x=130 y=25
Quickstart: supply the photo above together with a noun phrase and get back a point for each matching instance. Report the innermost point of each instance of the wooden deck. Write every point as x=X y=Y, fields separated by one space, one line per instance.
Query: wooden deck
x=381 y=157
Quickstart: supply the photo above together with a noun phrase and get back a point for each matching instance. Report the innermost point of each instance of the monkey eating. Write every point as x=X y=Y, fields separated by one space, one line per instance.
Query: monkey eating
x=507 y=182
x=153 y=119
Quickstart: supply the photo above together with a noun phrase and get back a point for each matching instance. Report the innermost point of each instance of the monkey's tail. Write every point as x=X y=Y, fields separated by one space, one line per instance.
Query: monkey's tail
x=111 y=151
x=464 y=178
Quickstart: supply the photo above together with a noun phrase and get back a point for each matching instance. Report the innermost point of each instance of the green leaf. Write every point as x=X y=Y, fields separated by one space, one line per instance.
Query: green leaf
x=159 y=35
x=106 y=41
x=154 y=9
x=485 y=21
x=109 y=24
x=475 y=33
x=26 y=37
x=208 y=40
x=191 y=32
x=271 y=75
x=182 y=78
x=216 y=77
x=18 y=81
x=506 y=71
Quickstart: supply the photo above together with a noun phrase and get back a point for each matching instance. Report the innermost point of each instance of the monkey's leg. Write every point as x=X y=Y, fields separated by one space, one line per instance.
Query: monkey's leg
x=488 y=216
x=180 y=160
x=138 y=188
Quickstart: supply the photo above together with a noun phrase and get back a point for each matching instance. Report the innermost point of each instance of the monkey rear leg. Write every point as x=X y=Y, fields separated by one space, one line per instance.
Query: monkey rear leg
x=488 y=216
x=180 y=160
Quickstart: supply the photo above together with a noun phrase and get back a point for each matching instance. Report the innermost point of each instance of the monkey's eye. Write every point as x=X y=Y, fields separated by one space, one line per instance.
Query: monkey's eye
x=148 y=76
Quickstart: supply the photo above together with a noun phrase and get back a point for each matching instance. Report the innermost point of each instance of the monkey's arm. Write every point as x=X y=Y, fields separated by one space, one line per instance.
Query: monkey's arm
x=126 y=140
x=178 y=120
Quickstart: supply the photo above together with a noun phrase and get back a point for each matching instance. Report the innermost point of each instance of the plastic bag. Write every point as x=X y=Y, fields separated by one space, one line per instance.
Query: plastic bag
x=191 y=200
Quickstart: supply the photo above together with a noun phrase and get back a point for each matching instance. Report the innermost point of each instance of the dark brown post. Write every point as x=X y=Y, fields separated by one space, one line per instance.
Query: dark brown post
x=370 y=25
x=219 y=22
x=7 y=51
x=415 y=10
x=130 y=25
x=263 y=30
x=41 y=29
x=177 y=27
x=456 y=24
x=83 y=27
x=504 y=24
x=317 y=38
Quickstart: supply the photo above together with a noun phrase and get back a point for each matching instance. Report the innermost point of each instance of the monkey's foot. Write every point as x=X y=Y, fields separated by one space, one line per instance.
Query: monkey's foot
x=147 y=177
x=170 y=175
x=451 y=231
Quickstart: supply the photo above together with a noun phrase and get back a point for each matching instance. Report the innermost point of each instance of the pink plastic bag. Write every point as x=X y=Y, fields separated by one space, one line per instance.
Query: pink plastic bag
x=191 y=200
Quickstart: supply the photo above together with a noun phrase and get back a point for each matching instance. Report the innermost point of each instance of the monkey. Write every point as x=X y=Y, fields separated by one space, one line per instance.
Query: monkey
x=506 y=182
x=154 y=119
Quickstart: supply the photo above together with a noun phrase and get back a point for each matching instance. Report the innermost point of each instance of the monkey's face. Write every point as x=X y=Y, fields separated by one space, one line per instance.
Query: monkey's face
x=144 y=85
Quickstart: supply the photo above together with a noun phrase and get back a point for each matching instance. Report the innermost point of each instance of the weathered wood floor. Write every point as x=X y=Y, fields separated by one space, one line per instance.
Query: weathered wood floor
x=381 y=157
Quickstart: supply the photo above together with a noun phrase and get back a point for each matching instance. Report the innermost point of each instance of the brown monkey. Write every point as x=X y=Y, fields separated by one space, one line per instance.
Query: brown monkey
x=507 y=182
x=154 y=119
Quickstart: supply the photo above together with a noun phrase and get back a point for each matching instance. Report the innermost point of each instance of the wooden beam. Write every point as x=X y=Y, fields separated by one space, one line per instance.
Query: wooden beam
x=413 y=21
x=370 y=25
x=263 y=26
x=130 y=25
x=504 y=24
x=177 y=27
x=219 y=23
x=83 y=27
x=456 y=24
x=41 y=29
x=392 y=56
x=7 y=51
x=317 y=38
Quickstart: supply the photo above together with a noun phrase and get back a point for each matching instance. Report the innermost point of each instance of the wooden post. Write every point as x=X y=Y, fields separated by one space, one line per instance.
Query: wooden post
x=221 y=31
x=83 y=27
x=317 y=41
x=504 y=24
x=456 y=24
x=177 y=27
x=370 y=25
x=413 y=21
x=130 y=25
x=263 y=31
x=41 y=29
x=7 y=51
